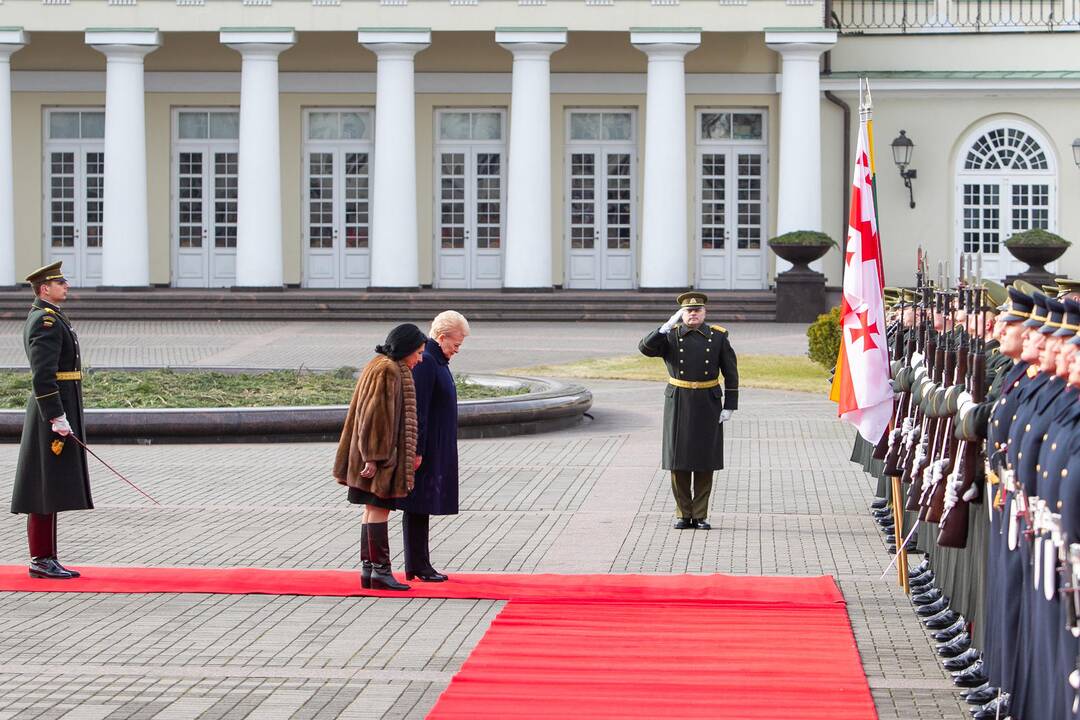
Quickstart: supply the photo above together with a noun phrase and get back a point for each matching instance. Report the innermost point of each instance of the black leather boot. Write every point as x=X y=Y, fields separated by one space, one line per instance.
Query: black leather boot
x=684 y=524
x=981 y=695
x=973 y=676
x=47 y=567
x=365 y=559
x=73 y=573
x=415 y=529
x=382 y=576
x=954 y=647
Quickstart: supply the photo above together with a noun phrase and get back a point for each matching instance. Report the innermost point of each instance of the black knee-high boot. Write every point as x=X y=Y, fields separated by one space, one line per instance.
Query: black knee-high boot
x=365 y=559
x=417 y=560
x=382 y=576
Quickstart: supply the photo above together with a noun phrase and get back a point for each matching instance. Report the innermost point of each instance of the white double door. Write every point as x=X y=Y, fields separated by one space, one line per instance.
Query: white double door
x=600 y=222
x=204 y=214
x=994 y=208
x=337 y=216
x=74 y=210
x=470 y=217
x=731 y=218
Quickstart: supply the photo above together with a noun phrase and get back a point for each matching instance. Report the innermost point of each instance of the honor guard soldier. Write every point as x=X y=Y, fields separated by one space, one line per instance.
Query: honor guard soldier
x=51 y=476
x=697 y=356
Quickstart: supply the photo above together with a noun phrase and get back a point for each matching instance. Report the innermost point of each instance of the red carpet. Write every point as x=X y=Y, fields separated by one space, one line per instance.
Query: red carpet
x=596 y=646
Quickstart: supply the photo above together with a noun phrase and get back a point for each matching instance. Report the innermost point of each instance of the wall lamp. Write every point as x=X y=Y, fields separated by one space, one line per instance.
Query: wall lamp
x=1076 y=151
x=902 y=149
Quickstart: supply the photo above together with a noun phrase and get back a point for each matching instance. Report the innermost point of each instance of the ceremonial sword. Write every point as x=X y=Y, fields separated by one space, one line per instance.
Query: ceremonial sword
x=114 y=470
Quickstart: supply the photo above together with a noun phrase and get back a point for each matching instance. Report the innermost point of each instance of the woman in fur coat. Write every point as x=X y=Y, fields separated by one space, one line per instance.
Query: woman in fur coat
x=376 y=456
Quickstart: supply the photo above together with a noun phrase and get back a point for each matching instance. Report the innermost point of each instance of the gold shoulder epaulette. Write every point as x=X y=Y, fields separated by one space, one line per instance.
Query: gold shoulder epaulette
x=720 y=328
x=50 y=311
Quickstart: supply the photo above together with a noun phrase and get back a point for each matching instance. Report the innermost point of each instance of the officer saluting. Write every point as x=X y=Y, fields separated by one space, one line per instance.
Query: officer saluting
x=695 y=408
x=52 y=475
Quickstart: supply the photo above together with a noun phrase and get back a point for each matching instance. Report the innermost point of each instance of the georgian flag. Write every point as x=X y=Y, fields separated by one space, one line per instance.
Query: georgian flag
x=861 y=384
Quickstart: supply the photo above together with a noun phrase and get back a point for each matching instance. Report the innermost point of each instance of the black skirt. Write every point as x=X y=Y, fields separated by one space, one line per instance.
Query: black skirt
x=363 y=497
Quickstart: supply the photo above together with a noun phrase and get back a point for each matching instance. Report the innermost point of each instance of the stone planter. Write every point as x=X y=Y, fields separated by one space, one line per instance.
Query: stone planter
x=800 y=291
x=1036 y=257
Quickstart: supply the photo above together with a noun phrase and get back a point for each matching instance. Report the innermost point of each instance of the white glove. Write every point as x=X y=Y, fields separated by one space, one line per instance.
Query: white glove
x=60 y=425
x=725 y=415
x=672 y=321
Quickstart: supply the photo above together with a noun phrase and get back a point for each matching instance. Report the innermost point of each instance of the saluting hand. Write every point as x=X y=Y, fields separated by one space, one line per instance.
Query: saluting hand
x=369 y=470
x=672 y=322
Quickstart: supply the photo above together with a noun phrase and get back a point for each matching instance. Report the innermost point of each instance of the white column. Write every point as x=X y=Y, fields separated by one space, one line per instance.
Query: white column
x=125 y=249
x=395 y=261
x=258 y=201
x=528 y=193
x=665 y=242
x=11 y=41
x=799 y=192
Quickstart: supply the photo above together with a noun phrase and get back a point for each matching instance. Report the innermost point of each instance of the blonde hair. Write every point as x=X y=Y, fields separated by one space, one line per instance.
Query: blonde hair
x=447 y=322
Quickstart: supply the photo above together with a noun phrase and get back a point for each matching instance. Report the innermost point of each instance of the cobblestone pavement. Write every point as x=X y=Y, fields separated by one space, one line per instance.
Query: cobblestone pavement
x=589 y=499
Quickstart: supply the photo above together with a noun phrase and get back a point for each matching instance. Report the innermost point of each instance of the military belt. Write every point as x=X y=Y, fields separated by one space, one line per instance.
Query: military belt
x=694 y=384
x=69 y=375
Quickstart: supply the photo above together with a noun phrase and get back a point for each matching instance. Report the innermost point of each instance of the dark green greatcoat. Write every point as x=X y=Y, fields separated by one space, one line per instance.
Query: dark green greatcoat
x=693 y=435
x=47 y=481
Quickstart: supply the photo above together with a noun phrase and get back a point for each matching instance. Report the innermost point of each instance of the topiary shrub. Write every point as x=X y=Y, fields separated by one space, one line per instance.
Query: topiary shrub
x=1036 y=238
x=803 y=237
x=824 y=337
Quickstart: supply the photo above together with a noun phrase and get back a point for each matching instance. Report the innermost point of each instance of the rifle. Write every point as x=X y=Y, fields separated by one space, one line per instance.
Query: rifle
x=927 y=425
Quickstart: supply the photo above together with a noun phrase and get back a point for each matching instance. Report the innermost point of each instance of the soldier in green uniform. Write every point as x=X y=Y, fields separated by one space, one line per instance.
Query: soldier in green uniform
x=697 y=355
x=51 y=476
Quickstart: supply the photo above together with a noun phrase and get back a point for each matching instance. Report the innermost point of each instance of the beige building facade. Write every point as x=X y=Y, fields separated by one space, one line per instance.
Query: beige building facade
x=600 y=144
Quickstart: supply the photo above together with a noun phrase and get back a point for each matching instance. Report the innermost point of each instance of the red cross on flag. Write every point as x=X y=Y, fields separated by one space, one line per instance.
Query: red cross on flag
x=862 y=383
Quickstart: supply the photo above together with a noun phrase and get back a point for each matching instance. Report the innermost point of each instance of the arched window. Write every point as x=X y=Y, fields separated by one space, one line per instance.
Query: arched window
x=1006 y=183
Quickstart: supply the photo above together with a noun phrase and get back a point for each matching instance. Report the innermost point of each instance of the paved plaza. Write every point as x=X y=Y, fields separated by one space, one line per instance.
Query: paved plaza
x=587 y=500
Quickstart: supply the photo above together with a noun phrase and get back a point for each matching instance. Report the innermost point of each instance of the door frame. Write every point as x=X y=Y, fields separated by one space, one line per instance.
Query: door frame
x=470 y=148
x=732 y=148
x=337 y=147
x=602 y=148
x=80 y=147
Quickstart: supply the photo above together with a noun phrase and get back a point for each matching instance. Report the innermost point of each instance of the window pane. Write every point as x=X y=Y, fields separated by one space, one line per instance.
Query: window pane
x=354 y=126
x=322 y=126
x=585 y=126
x=93 y=125
x=746 y=126
x=715 y=126
x=225 y=125
x=486 y=126
x=454 y=126
x=193 y=125
x=63 y=125
x=617 y=126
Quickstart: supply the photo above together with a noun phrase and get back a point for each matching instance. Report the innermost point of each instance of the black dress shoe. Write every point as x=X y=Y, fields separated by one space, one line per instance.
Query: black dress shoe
x=950 y=632
x=923 y=576
x=922 y=583
x=981 y=695
x=926 y=597
x=73 y=573
x=684 y=524
x=922 y=567
x=996 y=708
x=879 y=503
x=702 y=524
x=933 y=608
x=954 y=647
x=968 y=692
x=426 y=576
x=942 y=620
x=48 y=568
x=972 y=677
x=882 y=513
x=962 y=660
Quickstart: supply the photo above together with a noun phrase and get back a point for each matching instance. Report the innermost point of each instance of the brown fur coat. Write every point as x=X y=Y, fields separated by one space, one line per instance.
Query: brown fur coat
x=380 y=427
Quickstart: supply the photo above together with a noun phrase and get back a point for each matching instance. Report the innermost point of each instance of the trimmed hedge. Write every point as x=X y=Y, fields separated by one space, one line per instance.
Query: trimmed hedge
x=824 y=337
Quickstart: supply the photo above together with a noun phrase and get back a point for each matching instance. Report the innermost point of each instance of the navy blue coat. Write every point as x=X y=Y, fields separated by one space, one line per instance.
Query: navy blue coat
x=436 y=488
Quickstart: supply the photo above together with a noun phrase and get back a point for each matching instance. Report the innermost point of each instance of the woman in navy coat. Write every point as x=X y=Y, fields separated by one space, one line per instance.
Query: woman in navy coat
x=436 y=489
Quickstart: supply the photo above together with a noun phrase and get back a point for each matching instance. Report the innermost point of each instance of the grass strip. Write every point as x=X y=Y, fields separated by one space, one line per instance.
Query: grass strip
x=774 y=372
x=198 y=389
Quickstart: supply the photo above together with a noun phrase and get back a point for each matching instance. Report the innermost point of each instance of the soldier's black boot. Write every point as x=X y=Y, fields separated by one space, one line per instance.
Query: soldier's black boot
x=926 y=597
x=957 y=628
x=701 y=524
x=933 y=608
x=954 y=647
x=382 y=576
x=878 y=503
x=365 y=559
x=47 y=567
x=962 y=660
x=683 y=524
x=996 y=708
x=74 y=573
x=981 y=695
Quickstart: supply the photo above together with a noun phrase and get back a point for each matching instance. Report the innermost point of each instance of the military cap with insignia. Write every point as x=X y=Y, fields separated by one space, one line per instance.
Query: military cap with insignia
x=1025 y=287
x=1071 y=324
x=995 y=295
x=47 y=273
x=1019 y=308
x=692 y=299
x=1038 y=311
x=910 y=296
x=1055 y=313
x=1067 y=286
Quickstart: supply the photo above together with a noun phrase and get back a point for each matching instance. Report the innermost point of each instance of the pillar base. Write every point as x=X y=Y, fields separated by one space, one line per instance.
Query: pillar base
x=800 y=296
x=1038 y=279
